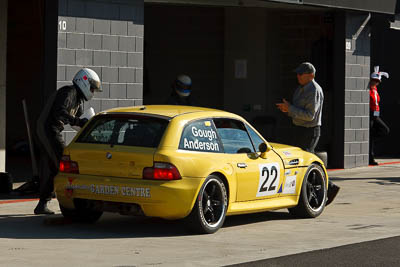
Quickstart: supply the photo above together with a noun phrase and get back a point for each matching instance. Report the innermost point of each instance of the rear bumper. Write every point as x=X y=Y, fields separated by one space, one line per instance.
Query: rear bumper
x=164 y=199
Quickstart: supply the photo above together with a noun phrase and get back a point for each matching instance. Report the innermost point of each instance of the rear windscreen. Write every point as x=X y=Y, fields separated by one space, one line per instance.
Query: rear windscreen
x=125 y=130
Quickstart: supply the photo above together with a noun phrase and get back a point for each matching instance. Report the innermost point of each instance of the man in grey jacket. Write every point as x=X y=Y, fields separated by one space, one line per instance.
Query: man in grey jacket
x=306 y=114
x=306 y=109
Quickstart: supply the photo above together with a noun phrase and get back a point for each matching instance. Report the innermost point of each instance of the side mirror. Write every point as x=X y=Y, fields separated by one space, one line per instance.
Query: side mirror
x=264 y=148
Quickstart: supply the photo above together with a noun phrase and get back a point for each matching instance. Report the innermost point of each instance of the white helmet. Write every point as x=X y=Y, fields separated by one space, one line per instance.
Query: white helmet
x=88 y=82
x=377 y=75
x=183 y=85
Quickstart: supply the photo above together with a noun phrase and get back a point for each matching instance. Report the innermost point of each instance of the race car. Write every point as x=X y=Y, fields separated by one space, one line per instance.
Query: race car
x=181 y=162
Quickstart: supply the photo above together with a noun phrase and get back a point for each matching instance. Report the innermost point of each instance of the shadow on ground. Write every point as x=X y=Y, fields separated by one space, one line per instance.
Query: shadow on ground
x=375 y=180
x=23 y=226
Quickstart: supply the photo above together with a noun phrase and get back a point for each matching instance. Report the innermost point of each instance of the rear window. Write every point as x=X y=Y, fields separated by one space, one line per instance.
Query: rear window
x=125 y=130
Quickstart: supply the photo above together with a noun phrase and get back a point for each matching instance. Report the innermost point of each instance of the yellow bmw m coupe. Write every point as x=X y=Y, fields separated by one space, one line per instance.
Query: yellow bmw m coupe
x=180 y=162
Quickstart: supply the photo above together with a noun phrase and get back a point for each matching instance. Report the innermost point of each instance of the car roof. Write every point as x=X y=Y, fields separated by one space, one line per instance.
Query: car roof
x=170 y=111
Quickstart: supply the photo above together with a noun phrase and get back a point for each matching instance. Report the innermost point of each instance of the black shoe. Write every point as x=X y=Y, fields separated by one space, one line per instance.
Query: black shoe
x=332 y=193
x=373 y=163
x=42 y=208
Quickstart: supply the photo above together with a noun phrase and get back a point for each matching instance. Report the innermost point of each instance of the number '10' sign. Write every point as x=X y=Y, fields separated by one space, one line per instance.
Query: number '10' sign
x=62 y=25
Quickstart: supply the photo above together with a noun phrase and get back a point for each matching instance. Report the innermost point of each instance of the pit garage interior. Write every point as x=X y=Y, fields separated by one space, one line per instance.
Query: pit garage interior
x=240 y=59
x=30 y=76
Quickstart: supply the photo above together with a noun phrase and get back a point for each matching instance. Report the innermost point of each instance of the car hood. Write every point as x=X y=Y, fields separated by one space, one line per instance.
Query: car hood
x=292 y=156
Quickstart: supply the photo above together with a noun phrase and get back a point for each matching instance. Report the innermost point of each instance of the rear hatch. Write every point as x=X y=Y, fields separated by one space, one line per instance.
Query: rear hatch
x=118 y=145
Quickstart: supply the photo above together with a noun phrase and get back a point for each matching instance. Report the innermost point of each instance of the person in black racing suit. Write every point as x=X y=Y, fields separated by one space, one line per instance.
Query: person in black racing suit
x=181 y=92
x=63 y=107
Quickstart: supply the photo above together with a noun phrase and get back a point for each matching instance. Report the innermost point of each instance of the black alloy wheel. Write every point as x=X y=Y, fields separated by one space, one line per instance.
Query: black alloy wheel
x=208 y=214
x=313 y=194
x=212 y=204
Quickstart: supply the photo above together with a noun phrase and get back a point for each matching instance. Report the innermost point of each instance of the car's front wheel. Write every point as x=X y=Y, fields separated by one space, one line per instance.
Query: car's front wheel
x=313 y=194
x=81 y=214
x=208 y=214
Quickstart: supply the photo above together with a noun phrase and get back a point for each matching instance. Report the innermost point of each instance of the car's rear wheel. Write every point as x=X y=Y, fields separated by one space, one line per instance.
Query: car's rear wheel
x=313 y=194
x=81 y=213
x=208 y=214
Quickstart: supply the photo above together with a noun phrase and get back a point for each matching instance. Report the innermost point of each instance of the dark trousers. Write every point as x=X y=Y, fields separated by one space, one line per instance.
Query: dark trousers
x=47 y=168
x=378 y=129
x=306 y=138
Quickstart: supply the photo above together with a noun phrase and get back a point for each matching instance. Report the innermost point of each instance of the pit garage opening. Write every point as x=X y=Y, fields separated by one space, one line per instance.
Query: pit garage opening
x=241 y=58
x=30 y=73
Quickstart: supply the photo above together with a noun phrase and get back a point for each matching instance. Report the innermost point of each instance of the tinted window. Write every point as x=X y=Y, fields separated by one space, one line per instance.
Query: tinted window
x=124 y=130
x=234 y=136
x=255 y=138
x=200 y=136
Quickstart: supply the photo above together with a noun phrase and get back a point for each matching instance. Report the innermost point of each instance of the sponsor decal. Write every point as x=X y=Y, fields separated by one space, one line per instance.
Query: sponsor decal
x=198 y=145
x=68 y=188
x=120 y=190
x=109 y=190
x=280 y=189
x=136 y=191
x=77 y=186
x=208 y=136
x=207 y=123
x=290 y=185
x=104 y=189
x=287 y=153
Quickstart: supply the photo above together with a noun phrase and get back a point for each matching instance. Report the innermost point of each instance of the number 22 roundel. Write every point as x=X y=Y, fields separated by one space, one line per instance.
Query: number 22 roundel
x=269 y=179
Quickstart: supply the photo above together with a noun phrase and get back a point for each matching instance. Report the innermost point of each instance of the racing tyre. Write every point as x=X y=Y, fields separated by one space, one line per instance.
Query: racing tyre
x=313 y=194
x=81 y=214
x=208 y=213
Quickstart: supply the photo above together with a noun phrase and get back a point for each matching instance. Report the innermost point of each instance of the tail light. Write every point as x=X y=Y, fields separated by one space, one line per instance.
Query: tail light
x=161 y=171
x=68 y=166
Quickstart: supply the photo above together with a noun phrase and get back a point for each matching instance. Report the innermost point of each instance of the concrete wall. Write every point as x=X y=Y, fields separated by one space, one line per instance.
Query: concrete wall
x=106 y=36
x=357 y=71
x=3 y=52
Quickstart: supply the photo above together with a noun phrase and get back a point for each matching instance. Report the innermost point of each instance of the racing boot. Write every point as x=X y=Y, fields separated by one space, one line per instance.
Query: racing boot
x=373 y=162
x=42 y=208
x=332 y=192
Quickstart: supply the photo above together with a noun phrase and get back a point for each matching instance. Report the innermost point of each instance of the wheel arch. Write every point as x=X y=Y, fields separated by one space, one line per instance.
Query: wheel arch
x=225 y=181
x=324 y=169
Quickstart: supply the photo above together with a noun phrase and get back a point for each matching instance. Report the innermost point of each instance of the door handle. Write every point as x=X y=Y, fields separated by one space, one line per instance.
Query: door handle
x=242 y=165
